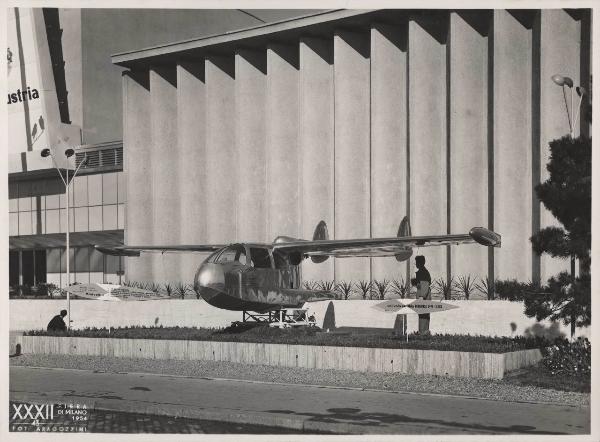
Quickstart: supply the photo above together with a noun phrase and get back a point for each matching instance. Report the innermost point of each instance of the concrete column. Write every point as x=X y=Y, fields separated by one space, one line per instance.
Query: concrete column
x=191 y=140
x=283 y=215
x=468 y=146
x=221 y=168
x=137 y=169
x=165 y=191
x=316 y=146
x=512 y=146
x=250 y=86
x=389 y=117
x=427 y=145
x=559 y=54
x=352 y=148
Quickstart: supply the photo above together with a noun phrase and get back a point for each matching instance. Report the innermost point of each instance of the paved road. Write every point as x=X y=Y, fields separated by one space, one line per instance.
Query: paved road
x=298 y=407
x=106 y=421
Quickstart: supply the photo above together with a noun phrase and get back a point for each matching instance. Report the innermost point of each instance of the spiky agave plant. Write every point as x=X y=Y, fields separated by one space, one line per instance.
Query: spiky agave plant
x=485 y=288
x=344 y=288
x=169 y=289
x=310 y=285
x=380 y=288
x=326 y=286
x=180 y=289
x=400 y=288
x=443 y=287
x=364 y=287
x=465 y=285
x=154 y=287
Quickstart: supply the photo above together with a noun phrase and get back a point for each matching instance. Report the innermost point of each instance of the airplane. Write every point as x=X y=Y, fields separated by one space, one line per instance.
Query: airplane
x=263 y=277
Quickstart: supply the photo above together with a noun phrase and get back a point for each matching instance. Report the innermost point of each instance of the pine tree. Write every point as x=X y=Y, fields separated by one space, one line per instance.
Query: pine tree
x=567 y=194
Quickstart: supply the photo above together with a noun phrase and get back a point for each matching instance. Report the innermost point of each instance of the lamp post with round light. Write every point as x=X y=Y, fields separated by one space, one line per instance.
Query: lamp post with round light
x=68 y=153
x=567 y=81
x=563 y=81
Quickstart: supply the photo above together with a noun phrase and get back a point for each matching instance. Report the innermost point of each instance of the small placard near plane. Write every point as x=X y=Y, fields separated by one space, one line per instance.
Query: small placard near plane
x=418 y=306
x=113 y=292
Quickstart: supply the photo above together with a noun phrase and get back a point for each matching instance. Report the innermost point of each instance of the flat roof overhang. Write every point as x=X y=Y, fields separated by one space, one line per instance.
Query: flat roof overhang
x=321 y=24
x=58 y=240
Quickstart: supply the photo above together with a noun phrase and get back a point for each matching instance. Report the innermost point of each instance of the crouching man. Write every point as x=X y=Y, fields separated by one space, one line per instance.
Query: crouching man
x=57 y=323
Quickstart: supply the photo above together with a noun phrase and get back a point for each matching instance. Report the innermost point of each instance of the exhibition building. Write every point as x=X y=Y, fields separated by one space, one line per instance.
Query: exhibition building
x=219 y=127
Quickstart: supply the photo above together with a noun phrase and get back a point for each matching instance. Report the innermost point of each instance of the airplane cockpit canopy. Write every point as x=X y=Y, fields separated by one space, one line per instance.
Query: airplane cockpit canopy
x=235 y=252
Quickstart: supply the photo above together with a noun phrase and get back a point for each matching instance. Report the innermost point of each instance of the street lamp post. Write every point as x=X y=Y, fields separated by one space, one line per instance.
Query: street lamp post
x=567 y=81
x=68 y=153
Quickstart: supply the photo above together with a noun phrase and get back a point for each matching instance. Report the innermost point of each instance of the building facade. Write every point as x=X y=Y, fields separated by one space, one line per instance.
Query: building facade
x=359 y=119
x=64 y=92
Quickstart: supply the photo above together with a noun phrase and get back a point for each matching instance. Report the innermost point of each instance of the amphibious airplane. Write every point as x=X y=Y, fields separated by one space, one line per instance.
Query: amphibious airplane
x=255 y=277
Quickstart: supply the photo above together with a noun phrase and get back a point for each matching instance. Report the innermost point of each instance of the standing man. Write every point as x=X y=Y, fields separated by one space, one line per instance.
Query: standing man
x=423 y=283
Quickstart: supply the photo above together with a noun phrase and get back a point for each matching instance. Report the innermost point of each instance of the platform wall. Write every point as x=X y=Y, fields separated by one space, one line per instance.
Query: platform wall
x=488 y=318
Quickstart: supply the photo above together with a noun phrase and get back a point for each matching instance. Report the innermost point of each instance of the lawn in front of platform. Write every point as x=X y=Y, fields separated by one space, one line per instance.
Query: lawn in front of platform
x=370 y=338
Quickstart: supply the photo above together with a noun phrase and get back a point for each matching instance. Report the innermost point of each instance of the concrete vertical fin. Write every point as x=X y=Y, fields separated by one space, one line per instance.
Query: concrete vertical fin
x=221 y=170
x=316 y=145
x=388 y=140
x=427 y=131
x=164 y=151
x=468 y=143
x=352 y=147
x=282 y=214
x=250 y=126
x=512 y=142
x=138 y=168
x=191 y=139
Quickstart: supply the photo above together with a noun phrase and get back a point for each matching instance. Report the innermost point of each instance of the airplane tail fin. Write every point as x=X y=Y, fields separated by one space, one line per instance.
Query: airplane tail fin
x=321 y=233
x=404 y=230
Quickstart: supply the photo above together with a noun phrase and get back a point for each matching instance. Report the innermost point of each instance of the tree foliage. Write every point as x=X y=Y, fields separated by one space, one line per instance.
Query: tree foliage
x=567 y=194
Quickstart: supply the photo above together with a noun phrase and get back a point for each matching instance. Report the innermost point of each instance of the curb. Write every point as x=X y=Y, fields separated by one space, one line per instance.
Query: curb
x=335 y=387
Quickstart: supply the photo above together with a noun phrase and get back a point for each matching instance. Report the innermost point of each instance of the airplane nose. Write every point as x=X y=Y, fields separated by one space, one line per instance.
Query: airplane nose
x=210 y=275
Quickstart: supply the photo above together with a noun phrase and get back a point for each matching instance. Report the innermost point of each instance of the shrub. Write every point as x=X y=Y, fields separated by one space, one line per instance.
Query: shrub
x=400 y=287
x=169 y=288
x=311 y=336
x=513 y=290
x=569 y=358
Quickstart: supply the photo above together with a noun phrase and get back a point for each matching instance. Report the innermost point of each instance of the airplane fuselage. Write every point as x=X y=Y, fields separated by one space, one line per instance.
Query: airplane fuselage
x=252 y=277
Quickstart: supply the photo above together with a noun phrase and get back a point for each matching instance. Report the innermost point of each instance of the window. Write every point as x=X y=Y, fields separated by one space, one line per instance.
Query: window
x=80 y=191
x=232 y=253
x=13 y=222
x=260 y=258
x=280 y=260
x=109 y=217
x=94 y=190
x=109 y=188
x=81 y=219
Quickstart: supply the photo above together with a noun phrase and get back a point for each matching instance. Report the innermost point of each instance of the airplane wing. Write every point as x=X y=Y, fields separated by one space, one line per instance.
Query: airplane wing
x=370 y=247
x=136 y=250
